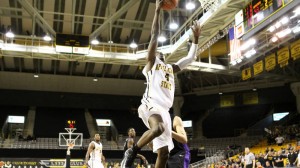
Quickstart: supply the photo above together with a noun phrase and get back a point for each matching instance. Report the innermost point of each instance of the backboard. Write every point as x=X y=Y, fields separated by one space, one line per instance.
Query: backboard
x=70 y=137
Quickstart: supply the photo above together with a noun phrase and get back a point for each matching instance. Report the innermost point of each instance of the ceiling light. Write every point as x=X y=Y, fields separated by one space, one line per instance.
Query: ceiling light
x=133 y=45
x=284 y=32
x=297 y=11
x=284 y=20
x=296 y=29
x=36 y=75
x=252 y=41
x=274 y=39
x=272 y=28
x=95 y=79
x=10 y=34
x=277 y=25
x=233 y=62
x=95 y=42
x=173 y=26
x=254 y=89
x=250 y=53
x=244 y=47
x=190 y=6
x=162 y=38
x=248 y=44
x=47 y=38
x=220 y=93
x=253 y=51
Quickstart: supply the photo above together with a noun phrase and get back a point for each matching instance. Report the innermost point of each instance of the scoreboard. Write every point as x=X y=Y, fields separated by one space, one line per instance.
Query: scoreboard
x=258 y=10
x=76 y=44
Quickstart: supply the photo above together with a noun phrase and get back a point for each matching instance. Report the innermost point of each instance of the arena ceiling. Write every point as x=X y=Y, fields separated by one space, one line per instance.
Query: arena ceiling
x=120 y=22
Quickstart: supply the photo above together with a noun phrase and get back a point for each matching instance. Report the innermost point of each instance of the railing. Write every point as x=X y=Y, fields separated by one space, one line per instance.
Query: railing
x=208 y=160
x=52 y=143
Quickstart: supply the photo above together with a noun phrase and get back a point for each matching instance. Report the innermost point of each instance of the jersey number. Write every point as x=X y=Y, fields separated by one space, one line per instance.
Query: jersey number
x=167 y=76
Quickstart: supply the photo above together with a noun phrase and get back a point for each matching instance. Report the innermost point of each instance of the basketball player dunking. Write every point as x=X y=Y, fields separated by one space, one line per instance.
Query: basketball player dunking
x=94 y=157
x=159 y=95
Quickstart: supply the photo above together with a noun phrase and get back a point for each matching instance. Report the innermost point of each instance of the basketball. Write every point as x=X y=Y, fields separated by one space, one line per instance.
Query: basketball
x=1 y=163
x=169 y=4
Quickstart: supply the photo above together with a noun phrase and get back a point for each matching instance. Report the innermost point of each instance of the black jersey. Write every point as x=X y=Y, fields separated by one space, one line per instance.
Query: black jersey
x=126 y=142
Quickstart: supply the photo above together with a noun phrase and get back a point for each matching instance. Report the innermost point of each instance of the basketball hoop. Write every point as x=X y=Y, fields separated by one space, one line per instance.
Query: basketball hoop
x=70 y=139
x=208 y=5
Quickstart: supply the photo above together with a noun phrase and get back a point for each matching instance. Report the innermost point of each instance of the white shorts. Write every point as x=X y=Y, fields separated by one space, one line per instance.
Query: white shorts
x=165 y=139
x=95 y=164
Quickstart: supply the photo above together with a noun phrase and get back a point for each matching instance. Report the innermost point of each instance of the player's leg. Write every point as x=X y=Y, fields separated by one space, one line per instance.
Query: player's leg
x=162 y=157
x=156 y=129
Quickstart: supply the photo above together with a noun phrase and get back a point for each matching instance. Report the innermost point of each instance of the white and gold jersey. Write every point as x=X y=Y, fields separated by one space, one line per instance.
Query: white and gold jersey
x=96 y=154
x=160 y=85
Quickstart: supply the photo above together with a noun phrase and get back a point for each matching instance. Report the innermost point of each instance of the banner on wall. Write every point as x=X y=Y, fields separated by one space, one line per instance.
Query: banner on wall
x=239 y=24
x=270 y=62
x=258 y=67
x=40 y=163
x=227 y=101
x=295 y=50
x=283 y=56
x=48 y=163
x=246 y=73
x=250 y=98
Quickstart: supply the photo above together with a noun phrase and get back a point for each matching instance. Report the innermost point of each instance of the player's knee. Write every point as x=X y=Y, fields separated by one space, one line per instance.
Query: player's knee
x=158 y=129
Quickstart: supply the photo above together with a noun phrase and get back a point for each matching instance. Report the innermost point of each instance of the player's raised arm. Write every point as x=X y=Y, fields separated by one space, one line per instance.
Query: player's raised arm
x=154 y=35
x=185 y=61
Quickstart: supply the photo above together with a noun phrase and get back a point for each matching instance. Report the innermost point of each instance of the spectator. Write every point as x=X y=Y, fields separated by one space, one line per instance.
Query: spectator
x=292 y=156
x=289 y=147
x=29 y=138
x=279 y=140
x=269 y=158
x=258 y=165
x=278 y=159
x=297 y=162
x=269 y=149
x=261 y=159
x=268 y=165
x=249 y=161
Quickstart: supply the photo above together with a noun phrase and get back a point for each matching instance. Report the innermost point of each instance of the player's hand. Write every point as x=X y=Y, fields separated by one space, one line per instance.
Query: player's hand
x=196 y=28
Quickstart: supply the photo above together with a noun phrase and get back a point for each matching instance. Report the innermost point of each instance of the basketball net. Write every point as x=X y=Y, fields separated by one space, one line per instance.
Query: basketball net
x=208 y=5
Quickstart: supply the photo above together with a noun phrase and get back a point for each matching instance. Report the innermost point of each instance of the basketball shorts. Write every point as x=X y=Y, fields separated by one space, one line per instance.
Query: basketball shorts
x=95 y=164
x=165 y=139
x=179 y=160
